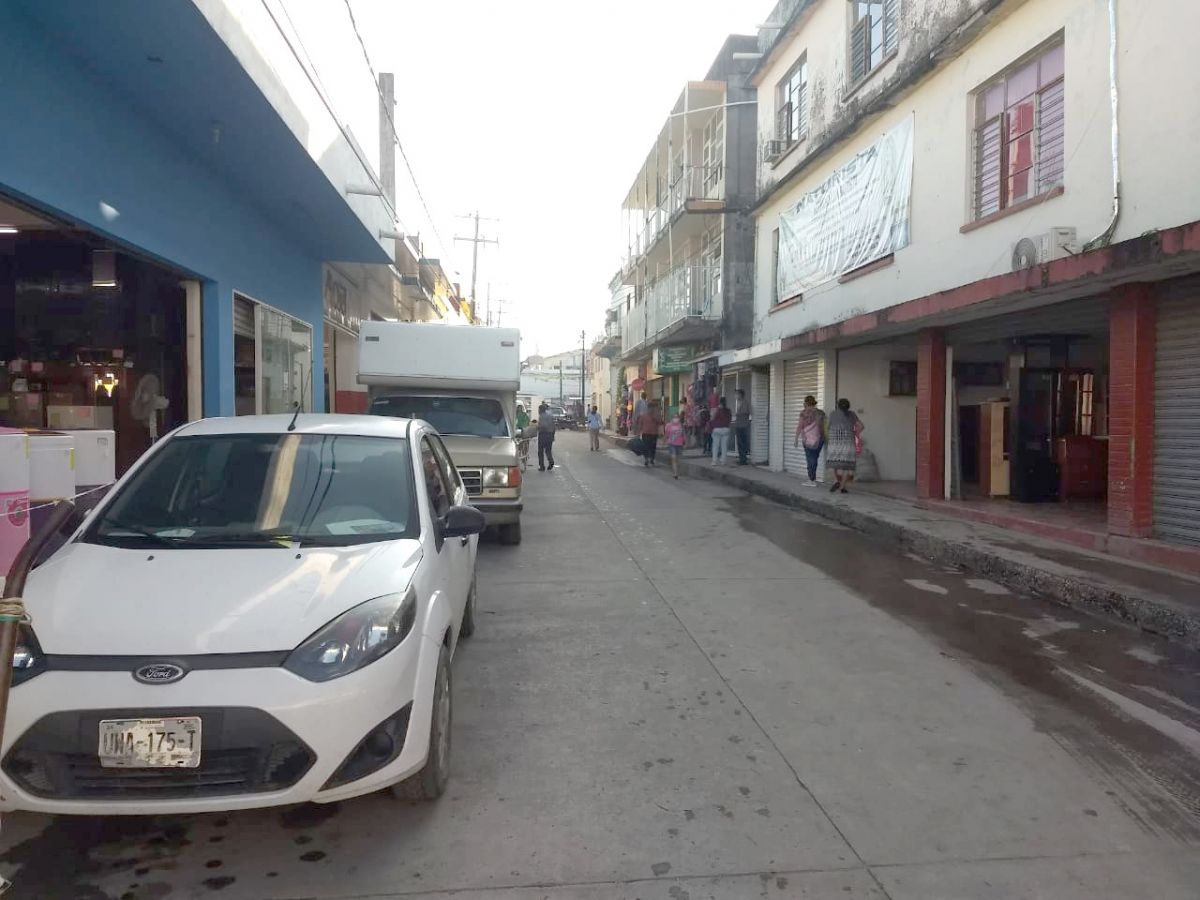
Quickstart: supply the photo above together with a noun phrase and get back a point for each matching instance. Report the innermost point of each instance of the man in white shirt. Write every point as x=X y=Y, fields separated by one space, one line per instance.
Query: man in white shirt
x=594 y=424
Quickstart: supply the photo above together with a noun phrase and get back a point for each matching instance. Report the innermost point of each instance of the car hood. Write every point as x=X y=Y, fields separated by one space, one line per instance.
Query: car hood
x=478 y=451
x=92 y=599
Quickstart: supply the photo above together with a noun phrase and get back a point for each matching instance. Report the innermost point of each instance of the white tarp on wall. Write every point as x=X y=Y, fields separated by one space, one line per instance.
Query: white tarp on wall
x=858 y=215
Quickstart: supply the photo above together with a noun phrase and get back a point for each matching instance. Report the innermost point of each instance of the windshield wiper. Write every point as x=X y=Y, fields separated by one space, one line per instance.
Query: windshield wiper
x=135 y=531
x=282 y=539
x=247 y=539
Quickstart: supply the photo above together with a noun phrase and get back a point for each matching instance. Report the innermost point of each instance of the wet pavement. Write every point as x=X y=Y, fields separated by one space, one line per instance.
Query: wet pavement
x=679 y=691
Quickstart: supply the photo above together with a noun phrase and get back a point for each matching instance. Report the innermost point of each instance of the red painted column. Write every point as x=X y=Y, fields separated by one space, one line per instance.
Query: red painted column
x=931 y=415
x=1131 y=345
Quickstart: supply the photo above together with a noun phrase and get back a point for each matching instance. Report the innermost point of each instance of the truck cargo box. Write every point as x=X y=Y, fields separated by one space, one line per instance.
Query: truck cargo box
x=445 y=357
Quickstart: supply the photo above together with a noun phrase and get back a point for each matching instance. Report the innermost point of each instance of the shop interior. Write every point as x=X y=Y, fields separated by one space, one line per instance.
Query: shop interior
x=91 y=337
x=1031 y=420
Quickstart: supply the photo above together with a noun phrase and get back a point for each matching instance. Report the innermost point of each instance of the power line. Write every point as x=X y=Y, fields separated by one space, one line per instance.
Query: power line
x=315 y=80
x=392 y=124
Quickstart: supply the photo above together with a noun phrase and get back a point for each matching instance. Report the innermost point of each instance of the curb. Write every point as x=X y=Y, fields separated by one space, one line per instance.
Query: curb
x=1113 y=601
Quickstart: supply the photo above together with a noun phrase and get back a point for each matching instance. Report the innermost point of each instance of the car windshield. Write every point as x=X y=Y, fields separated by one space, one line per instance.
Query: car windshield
x=474 y=416
x=264 y=490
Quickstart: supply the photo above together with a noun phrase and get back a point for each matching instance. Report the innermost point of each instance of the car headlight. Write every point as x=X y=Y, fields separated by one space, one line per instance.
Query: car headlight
x=28 y=659
x=495 y=477
x=356 y=638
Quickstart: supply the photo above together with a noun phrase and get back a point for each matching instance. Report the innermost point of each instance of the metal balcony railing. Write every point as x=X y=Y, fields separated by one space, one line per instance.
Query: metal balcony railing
x=687 y=292
x=691 y=183
x=697 y=183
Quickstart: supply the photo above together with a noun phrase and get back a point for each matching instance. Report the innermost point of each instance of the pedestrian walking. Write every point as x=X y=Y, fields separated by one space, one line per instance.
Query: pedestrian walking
x=691 y=425
x=741 y=427
x=676 y=438
x=594 y=423
x=810 y=433
x=845 y=443
x=684 y=412
x=639 y=410
x=720 y=434
x=522 y=438
x=649 y=426
x=546 y=429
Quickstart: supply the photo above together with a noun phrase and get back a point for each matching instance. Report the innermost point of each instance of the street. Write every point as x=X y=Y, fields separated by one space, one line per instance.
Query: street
x=678 y=691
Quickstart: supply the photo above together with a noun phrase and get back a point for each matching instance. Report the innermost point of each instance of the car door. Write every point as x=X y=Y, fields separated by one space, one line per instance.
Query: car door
x=450 y=561
x=465 y=568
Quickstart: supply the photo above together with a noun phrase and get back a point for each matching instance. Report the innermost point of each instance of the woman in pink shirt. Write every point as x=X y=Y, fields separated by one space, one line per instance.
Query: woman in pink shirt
x=676 y=438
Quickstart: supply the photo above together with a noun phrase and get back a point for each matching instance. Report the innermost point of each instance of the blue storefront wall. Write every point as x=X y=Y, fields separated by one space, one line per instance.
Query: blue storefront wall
x=103 y=156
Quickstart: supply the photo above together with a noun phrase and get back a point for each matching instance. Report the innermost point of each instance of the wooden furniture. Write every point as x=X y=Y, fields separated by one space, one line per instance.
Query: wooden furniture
x=994 y=476
x=1083 y=464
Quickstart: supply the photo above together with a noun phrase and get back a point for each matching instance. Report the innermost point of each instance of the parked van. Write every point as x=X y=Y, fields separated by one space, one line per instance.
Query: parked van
x=463 y=381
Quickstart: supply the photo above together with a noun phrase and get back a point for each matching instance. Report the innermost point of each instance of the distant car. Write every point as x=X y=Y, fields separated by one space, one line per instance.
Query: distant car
x=260 y=612
x=562 y=418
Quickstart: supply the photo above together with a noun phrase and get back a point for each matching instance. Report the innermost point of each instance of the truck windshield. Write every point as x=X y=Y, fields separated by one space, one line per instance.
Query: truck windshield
x=474 y=416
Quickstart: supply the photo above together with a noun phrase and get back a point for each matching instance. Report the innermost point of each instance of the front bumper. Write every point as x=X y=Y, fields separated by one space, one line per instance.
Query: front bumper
x=498 y=512
x=298 y=732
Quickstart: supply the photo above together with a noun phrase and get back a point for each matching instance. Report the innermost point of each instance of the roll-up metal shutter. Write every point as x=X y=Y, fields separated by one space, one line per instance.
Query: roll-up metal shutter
x=1177 y=419
x=801 y=377
x=243 y=317
x=760 y=406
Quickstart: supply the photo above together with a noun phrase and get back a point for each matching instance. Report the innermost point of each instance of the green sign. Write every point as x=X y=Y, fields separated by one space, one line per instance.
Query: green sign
x=674 y=360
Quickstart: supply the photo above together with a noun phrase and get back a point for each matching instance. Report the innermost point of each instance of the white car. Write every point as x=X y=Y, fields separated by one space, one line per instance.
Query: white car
x=262 y=611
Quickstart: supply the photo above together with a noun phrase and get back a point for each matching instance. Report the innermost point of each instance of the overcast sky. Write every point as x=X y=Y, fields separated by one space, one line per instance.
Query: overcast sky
x=535 y=112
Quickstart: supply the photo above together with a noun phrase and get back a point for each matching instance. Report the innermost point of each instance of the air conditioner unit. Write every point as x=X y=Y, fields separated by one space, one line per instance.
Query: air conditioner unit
x=1039 y=249
x=772 y=150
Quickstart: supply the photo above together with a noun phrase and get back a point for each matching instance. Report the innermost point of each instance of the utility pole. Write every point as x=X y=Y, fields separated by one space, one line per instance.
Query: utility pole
x=560 y=389
x=475 y=242
x=387 y=140
x=582 y=368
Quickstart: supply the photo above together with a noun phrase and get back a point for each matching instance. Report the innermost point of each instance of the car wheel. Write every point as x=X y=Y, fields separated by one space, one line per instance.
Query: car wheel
x=430 y=782
x=510 y=534
x=467 y=628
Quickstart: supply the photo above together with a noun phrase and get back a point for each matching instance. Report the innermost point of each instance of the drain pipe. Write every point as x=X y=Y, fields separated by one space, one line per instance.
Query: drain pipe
x=1105 y=237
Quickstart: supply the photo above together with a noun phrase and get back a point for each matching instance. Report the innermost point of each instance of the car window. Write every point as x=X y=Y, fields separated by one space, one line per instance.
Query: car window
x=449 y=471
x=208 y=490
x=474 y=416
x=436 y=484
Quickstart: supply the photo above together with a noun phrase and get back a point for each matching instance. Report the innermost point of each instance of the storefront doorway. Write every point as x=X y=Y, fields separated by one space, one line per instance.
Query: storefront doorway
x=91 y=337
x=1030 y=416
x=273 y=362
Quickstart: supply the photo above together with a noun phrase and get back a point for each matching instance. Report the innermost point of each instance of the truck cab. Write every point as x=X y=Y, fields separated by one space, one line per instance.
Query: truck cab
x=463 y=381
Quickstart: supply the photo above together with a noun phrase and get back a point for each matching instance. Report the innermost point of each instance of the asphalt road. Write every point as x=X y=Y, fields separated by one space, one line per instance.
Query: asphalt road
x=677 y=691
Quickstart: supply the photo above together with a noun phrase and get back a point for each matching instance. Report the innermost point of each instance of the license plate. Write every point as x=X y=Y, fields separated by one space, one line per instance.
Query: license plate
x=171 y=743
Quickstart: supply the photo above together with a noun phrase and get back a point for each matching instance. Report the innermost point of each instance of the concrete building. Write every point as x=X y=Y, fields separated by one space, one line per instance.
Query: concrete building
x=939 y=240
x=690 y=240
x=608 y=347
x=163 y=228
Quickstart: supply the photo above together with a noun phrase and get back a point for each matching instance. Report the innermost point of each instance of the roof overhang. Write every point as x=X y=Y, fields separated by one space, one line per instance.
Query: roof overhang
x=193 y=69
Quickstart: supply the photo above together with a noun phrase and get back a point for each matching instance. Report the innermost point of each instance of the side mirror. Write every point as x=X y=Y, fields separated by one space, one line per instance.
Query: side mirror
x=461 y=521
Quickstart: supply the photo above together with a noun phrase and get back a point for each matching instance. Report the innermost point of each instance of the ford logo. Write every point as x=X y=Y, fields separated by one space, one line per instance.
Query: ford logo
x=159 y=673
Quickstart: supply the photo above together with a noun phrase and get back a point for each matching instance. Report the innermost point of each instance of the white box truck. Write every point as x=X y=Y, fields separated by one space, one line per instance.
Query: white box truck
x=462 y=380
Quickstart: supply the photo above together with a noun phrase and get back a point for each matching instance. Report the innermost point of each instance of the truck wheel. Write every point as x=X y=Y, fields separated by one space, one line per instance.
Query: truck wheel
x=467 y=628
x=510 y=534
x=430 y=782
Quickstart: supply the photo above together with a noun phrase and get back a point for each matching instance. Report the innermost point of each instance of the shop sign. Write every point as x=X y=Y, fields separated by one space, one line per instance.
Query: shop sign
x=674 y=360
x=341 y=302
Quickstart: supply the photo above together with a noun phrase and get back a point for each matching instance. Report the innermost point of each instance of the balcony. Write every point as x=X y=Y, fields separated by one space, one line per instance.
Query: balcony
x=684 y=305
x=608 y=344
x=695 y=189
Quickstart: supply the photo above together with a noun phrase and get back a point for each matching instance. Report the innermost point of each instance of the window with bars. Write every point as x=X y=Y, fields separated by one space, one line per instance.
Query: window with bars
x=1019 y=134
x=874 y=36
x=791 y=99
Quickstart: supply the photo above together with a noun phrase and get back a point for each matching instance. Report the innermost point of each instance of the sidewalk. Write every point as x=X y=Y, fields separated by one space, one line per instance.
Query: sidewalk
x=1145 y=596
